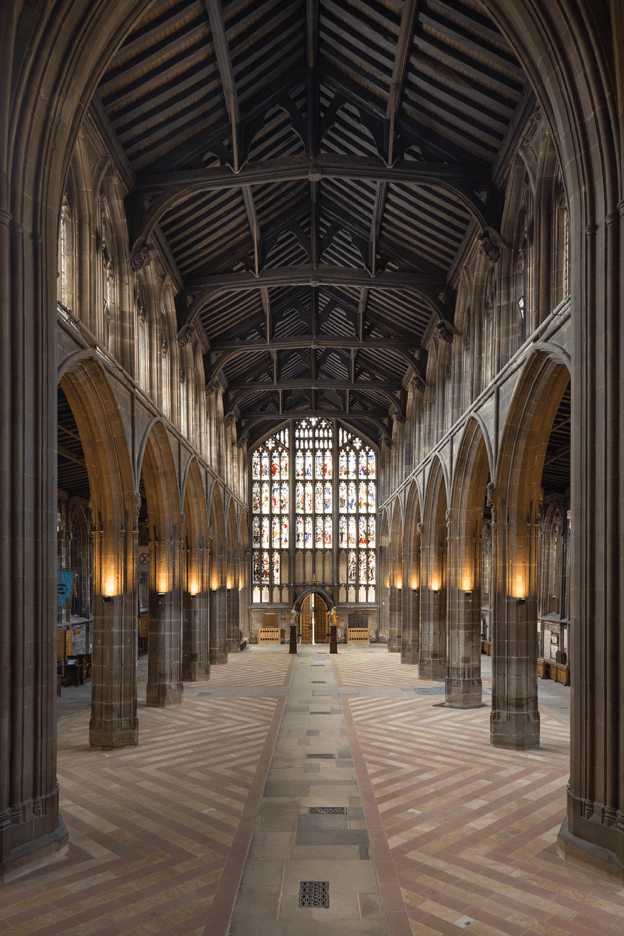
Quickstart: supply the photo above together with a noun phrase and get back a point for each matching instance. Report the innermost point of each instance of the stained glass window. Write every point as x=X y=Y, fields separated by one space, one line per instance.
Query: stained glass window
x=270 y=505
x=357 y=470
x=314 y=498
x=329 y=494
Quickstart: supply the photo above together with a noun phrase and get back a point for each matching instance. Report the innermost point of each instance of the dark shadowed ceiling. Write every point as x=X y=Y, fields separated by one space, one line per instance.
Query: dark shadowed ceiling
x=315 y=168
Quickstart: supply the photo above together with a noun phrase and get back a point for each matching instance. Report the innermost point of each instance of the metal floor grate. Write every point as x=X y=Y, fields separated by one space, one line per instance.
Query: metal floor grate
x=328 y=810
x=323 y=681
x=320 y=713
x=314 y=894
x=318 y=756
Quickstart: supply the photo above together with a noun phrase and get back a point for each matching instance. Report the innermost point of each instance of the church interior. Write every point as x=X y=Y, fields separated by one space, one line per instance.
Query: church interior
x=311 y=355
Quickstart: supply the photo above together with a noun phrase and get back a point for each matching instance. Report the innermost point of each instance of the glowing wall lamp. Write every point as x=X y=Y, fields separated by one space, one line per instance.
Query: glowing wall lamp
x=108 y=590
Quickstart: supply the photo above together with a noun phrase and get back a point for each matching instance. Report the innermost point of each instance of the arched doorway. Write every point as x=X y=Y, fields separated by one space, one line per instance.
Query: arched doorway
x=314 y=619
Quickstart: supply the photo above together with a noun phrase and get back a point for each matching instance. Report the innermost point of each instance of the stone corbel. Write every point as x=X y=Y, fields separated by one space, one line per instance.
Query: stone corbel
x=141 y=255
x=491 y=244
x=186 y=335
x=396 y=414
x=445 y=331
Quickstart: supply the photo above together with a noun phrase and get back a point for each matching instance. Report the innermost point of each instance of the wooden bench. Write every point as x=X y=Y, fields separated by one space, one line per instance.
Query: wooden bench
x=358 y=635
x=548 y=669
x=486 y=647
x=270 y=635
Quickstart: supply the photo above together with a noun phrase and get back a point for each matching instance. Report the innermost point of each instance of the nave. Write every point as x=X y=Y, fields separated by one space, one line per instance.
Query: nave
x=205 y=828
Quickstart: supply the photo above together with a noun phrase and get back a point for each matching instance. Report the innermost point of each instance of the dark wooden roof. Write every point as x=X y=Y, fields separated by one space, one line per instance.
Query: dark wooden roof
x=315 y=167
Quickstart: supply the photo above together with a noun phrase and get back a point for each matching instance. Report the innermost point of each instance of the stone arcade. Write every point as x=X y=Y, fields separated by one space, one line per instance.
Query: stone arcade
x=363 y=260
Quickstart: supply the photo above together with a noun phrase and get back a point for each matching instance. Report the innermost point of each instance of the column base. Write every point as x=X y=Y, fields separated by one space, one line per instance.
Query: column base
x=410 y=655
x=217 y=656
x=233 y=645
x=162 y=695
x=108 y=735
x=588 y=855
x=394 y=645
x=195 y=672
x=35 y=854
x=431 y=669
x=463 y=693
x=516 y=731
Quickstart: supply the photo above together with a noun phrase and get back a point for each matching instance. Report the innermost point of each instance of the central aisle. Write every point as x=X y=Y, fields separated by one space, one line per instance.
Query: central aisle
x=309 y=869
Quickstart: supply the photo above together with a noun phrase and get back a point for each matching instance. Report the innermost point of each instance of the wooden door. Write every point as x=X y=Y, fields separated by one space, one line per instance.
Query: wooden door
x=306 y=619
x=321 y=624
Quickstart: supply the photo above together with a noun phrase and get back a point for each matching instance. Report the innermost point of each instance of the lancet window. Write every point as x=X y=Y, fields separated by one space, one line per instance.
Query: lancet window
x=357 y=503
x=270 y=469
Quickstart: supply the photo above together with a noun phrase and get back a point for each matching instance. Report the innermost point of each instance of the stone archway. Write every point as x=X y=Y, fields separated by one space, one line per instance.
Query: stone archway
x=166 y=541
x=114 y=721
x=314 y=590
x=515 y=499
x=472 y=469
x=434 y=581
x=313 y=619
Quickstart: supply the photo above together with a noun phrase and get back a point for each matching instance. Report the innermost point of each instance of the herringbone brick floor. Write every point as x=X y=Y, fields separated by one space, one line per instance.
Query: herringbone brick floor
x=469 y=830
x=472 y=829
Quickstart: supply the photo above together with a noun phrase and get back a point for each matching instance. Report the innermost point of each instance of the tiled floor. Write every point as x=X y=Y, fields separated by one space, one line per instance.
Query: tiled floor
x=458 y=832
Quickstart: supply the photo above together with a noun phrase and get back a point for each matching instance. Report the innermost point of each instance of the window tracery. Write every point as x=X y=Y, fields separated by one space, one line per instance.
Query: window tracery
x=270 y=511
x=314 y=498
x=357 y=504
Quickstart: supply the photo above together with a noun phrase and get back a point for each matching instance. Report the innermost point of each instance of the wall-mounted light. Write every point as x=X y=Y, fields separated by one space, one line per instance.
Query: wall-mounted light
x=468 y=595
x=107 y=598
x=108 y=589
x=520 y=601
x=436 y=591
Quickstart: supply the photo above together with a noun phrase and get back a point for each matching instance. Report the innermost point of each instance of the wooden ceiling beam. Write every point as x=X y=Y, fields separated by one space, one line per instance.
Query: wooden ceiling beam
x=300 y=168
x=307 y=275
x=302 y=414
x=401 y=64
x=228 y=84
x=306 y=384
x=292 y=342
x=204 y=287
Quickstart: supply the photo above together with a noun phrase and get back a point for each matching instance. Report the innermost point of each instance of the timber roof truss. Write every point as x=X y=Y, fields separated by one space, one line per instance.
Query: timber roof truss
x=315 y=168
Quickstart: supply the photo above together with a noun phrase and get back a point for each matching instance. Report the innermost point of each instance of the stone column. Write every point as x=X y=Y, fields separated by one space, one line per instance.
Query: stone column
x=164 y=646
x=593 y=832
x=233 y=620
x=432 y=650
x=31 y=829
x=195 y=663
x=514 y=722
x=114 y=721
x=218 y=652
x=410 y=610
x=394 y=619
x=410 y=636
x=463 y=678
